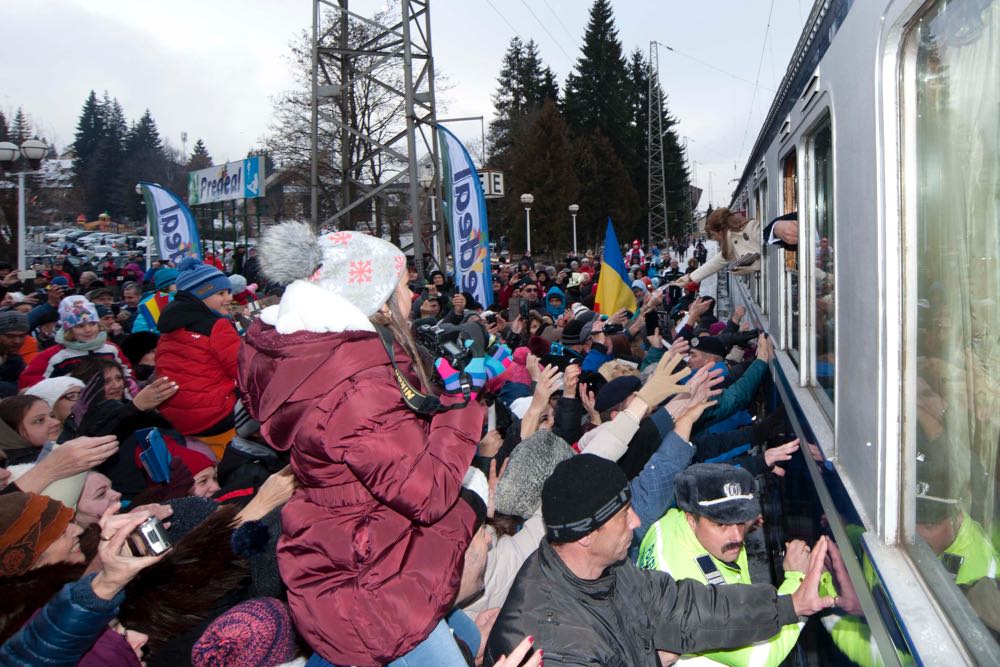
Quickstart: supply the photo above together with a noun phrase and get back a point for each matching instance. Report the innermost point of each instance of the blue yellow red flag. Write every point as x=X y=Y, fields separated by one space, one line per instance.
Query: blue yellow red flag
x=614 y=290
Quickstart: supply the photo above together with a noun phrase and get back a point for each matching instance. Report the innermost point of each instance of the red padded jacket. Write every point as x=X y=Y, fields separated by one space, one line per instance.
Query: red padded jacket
x=374 y=539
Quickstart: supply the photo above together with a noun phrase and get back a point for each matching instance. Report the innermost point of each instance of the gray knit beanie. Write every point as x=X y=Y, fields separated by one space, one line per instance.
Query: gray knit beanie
x=519 y=492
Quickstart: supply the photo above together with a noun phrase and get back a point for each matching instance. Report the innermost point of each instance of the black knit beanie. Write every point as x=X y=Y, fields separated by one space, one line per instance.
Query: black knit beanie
x=580 y=495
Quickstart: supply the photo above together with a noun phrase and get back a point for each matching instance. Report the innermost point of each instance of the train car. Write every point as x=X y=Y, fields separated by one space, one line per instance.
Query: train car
x=884 y=138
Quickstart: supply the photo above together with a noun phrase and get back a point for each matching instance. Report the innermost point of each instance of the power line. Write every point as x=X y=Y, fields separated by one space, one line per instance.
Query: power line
x=760 y=63
x=561 y=24
x=551 y=36
x=711 y=66
x=509 y=25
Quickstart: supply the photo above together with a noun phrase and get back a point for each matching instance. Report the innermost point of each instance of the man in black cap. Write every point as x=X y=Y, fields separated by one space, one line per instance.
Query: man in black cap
x=703 y=540
x=13 y=329
x=585 y=603
x=707 y=351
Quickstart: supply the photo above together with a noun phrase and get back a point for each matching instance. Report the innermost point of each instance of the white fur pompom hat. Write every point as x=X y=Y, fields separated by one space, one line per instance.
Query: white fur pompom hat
x=335 y=281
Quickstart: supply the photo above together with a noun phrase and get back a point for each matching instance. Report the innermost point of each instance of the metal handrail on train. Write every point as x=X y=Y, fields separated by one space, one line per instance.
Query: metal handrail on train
x=873 y=618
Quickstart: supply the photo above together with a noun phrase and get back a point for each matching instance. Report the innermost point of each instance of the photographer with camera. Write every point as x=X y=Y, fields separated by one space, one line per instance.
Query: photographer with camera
x=374 y=538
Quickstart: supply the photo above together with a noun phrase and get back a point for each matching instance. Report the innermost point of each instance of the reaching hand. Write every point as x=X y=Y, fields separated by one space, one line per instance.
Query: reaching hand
x=663 y=382
x=765 y=351
x=796 y=557
x=680 y=346
x=517 y=655
x=275 y=490
x=655 y=341
x=571 y=378
x=738 y=314
x=156 y=392
x=806 y=599
x=779 y=454
x=699 y=308
x=81 y=454
x=534 y=367
x=546 y=385
x=620 y=317
x=589 y=400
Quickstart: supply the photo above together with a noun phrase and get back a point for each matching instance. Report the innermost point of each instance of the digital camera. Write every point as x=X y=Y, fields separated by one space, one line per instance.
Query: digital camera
x=149 y=539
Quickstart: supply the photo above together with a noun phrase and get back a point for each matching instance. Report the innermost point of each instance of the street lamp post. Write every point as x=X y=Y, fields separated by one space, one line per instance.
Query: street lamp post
x=527 y=199
x=573 y=209
x=33 y=150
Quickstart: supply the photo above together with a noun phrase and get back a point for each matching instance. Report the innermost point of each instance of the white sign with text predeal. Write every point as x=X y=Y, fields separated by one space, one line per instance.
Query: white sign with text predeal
x=225 y=182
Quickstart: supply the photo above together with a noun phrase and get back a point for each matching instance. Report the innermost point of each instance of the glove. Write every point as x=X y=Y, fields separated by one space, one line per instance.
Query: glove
x=477 y=372
x=663 y=382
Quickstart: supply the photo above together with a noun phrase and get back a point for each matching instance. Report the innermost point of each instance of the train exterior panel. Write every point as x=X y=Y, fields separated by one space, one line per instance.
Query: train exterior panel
x=865 y=140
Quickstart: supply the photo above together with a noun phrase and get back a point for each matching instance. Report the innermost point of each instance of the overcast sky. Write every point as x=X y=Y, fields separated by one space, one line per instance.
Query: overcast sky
x=211 y=68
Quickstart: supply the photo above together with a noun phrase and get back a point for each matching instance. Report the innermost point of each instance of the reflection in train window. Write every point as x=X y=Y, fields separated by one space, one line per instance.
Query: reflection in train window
x=820 y=234
x=951 y=133
x=790 y=203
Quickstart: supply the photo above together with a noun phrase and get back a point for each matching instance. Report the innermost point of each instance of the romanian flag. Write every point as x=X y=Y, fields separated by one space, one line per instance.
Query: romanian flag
x=614 y=290
x=153 y=307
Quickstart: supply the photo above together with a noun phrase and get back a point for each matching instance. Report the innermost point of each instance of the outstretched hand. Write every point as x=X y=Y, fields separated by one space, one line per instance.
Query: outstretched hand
x=806 y=599
x=664 y=381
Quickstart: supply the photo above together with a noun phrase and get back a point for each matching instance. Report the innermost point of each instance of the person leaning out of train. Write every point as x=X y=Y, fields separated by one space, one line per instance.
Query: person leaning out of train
x=783 y=231
x=739 y=241
x=703 y=539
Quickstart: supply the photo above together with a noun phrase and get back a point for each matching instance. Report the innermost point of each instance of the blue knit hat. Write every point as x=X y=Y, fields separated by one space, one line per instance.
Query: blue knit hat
x=164 y=278
x=200 y=279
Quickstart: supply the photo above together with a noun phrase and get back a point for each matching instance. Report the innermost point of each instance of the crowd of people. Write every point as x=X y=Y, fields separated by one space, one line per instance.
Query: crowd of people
x=330 y=461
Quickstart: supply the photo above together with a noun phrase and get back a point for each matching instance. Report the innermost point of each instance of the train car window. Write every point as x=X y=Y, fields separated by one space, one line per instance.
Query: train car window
x=789 y=185
x=951 y=129
x=821 y=233
x=760 y=200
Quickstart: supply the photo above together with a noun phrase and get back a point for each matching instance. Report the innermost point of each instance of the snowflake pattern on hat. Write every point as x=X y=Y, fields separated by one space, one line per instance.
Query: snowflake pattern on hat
x=363 y=269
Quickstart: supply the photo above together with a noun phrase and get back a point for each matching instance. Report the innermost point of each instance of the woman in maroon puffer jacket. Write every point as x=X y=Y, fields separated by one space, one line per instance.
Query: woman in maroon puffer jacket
x=374 y=539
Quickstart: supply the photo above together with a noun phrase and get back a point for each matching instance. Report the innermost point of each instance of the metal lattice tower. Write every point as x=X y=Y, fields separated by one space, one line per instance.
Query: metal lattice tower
x=657 y=177
x=344 y=61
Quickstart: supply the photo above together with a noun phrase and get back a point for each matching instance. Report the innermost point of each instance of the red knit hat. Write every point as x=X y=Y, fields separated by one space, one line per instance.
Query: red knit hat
x=193 y=460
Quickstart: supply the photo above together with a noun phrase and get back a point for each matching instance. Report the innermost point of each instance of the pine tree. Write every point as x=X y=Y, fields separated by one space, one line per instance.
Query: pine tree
x=522 y=88
x=86 y=144
x=4 y=132
x=200 y=158
x=145 y=157
x=605 y=189
x=596 y=94
x=117 y=187
x=20 y=129
x=540 y=164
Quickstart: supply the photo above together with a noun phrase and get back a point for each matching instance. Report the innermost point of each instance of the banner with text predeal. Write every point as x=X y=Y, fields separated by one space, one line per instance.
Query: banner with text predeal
x=224 y=182
x=465 y=212
x=171 y=223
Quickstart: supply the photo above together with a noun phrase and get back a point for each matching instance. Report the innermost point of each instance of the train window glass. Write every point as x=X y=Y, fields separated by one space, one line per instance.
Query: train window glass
x=789 y=186
x=821 y=235
x=951 y=126
x=760 y=199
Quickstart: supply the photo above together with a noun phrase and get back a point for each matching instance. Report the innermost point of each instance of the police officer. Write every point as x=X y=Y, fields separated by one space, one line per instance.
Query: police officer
x=703 y=539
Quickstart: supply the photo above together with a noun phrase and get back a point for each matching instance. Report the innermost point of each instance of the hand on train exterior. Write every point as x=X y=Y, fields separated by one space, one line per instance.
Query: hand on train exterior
x=806 y=599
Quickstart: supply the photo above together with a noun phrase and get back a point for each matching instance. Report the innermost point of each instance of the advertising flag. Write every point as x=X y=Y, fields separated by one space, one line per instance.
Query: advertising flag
x=614 y=290
x=465 y=213
x=171 y=223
